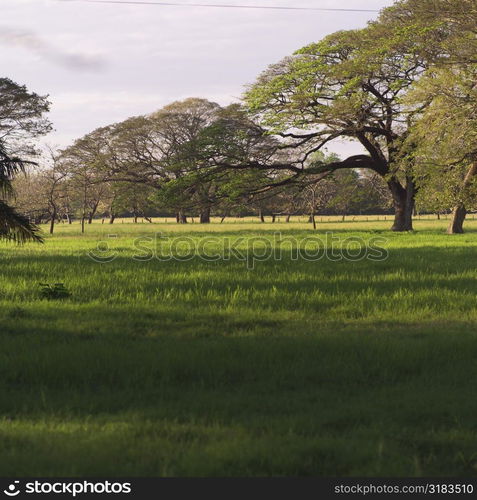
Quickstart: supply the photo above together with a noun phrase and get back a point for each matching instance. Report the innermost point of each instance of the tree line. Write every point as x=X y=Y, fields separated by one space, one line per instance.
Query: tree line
x=160 y=164
x=403 y=88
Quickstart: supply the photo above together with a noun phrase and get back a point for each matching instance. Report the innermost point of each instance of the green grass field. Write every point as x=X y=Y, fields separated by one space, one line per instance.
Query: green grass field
x=212 y=368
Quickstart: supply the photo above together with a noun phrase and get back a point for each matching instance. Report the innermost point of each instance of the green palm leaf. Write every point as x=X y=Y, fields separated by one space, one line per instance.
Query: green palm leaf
x=16 y=227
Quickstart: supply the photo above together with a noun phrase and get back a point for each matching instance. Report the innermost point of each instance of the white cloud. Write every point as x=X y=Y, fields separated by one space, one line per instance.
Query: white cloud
x=28 y=40
x=154 y=55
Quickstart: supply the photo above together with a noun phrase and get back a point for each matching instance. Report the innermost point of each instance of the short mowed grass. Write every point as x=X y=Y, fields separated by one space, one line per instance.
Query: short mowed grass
x=196 y=367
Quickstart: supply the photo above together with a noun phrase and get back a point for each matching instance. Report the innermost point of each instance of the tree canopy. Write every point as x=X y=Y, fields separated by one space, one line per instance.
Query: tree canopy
x=21 y=120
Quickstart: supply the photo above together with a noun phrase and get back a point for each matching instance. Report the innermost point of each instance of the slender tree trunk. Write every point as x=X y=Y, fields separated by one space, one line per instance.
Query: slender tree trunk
x=260 y=214
x=205 y=216
x=274 y=218
x=343 y=218
x=438 y=216
x=52 y=222
x=313 y=220
x=222 y=219
x=84 y=208
x=92 y=213
x=288 y=218
x=459 y=213
x=313 y=209
x=181 y=217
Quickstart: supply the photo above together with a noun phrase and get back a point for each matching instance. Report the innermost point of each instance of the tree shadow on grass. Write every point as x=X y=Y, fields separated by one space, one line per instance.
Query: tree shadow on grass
x=183 y=389
x=257 y=405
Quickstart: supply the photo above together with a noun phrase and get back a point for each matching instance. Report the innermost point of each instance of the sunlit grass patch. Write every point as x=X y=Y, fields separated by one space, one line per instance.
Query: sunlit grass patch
x=292 y=367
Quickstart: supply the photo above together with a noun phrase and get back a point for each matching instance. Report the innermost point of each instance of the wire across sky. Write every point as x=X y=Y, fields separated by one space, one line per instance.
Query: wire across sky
x=219 y=6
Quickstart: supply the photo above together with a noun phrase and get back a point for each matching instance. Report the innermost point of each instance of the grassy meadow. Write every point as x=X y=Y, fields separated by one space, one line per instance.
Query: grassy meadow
x=196 y=367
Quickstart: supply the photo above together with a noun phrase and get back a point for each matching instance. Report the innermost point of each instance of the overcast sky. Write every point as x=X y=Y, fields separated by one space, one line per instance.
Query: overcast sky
x=103 y=63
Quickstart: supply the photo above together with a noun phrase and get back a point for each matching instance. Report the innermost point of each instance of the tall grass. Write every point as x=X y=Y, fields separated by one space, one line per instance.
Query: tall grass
x=200 y=368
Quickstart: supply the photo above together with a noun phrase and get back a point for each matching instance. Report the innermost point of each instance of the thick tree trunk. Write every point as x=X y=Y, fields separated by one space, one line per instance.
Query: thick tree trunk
x=274 y=218
x=456 y=225
x=459 y=213
x=403 y=200
x=288 y=218
x=112 y=218
x=205 y=216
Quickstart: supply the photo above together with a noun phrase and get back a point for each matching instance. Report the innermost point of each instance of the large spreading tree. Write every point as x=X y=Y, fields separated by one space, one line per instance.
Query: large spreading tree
x=349 y=86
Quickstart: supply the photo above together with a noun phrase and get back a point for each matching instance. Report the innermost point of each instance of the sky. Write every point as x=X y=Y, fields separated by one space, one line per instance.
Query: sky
x=102 y=63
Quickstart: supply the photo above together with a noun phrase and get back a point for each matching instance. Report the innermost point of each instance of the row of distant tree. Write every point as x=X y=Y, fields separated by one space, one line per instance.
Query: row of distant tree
x=403 y=88
x=160 y=165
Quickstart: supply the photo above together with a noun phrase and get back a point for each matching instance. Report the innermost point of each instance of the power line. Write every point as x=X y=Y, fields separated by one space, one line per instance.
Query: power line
x=220 y=6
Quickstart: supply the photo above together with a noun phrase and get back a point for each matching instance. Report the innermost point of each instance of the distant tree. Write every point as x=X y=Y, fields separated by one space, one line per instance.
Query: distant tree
x=40 y=195
x=135 y=199
x=160 y=149
x=53 y=181
x=231 y=137
x=29 y=199
x=87 y=163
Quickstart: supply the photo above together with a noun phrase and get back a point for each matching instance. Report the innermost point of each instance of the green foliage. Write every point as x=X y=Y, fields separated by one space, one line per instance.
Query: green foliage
x=208 y=369
x=21 y=120
x=443 y=139
x=54 y=291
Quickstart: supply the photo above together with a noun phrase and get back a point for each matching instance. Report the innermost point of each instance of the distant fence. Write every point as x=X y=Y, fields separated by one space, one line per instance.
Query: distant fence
x=297 y=219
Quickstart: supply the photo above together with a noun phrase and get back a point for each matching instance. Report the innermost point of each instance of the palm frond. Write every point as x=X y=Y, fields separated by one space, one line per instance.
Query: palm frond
x=9 y=165
x=16 y=227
